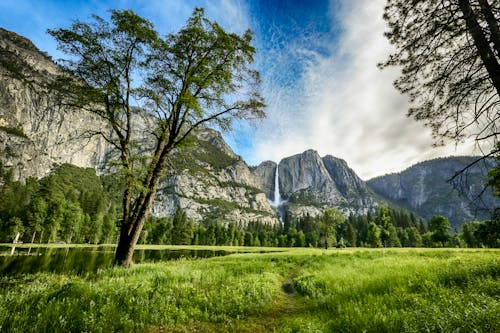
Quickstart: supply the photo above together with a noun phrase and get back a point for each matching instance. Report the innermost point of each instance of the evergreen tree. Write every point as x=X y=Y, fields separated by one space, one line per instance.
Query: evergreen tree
x=182 y=232
x=328 y=223
x=351 y=236
x=414 y=237
x=439 y=226
x=373 y=238
x=393 y=239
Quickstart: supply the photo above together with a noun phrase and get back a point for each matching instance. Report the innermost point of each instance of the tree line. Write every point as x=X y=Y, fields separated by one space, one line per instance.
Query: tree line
x=70 y=205
x=74 y=205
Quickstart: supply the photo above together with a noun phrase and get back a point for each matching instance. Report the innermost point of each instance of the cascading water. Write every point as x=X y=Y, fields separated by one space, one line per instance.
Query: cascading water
x=277 y=196
x=277 y=202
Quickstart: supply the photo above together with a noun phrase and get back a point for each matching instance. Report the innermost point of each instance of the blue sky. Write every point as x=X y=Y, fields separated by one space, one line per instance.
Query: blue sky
x=318 y=62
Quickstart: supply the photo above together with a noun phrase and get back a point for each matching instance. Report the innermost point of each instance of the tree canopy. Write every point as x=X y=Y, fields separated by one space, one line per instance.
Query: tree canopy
x=329 y=220
x=449 y=52
x=152 y=92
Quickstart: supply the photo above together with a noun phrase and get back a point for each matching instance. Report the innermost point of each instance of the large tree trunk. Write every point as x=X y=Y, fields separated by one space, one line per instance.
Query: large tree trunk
x=129 y=235
x=130 y=232
x=486 y=53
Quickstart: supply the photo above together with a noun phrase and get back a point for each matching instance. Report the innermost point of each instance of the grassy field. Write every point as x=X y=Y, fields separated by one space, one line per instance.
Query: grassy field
x=297 y=290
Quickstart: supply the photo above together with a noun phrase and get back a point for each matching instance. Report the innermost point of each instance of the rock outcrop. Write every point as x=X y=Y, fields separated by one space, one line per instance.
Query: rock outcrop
x=210 y=183
x=36 y=130
x=425 y=188
x=265 y=174
x=309 y=184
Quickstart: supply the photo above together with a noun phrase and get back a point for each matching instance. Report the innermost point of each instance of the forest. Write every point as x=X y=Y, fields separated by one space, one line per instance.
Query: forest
x=74 y=205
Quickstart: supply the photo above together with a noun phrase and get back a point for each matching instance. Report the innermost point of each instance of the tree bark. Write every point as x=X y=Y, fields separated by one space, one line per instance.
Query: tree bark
x=492 y=24
x=487 y=56
x=130 y=232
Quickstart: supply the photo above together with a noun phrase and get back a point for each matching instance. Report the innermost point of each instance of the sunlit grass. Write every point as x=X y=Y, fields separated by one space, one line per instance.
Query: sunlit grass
x=349 y=290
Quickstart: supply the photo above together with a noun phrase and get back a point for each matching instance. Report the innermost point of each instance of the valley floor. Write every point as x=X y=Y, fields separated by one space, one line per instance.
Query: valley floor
x=296 y=290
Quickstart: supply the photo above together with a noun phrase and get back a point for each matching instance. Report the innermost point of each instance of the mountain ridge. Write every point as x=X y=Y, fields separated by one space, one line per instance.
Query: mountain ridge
x=424 y=188
x=208 y=180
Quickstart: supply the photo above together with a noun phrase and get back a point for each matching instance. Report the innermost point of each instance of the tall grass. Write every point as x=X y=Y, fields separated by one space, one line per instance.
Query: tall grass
x=332 y=291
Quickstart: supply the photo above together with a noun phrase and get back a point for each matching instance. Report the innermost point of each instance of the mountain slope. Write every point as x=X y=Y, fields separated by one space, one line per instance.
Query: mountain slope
x=36 y=131
x=309 y=183
x=425 y=189
x=208 y=180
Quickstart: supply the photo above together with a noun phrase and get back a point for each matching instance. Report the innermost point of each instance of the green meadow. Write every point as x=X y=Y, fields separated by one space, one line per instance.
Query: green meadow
x=295 y=290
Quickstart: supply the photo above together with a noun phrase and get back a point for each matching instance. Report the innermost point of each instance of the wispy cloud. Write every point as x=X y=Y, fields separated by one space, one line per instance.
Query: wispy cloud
x=348 y=107
x=322 y=87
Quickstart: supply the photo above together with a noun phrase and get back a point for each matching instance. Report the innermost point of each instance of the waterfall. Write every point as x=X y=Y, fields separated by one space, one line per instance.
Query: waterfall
x=277 y=196
x=277 y=203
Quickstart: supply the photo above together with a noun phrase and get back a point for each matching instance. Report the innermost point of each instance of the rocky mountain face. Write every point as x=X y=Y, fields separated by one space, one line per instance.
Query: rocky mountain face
x=425 y=189
x=265 y=174
x=207 y=179
x=36 y=130
x=309 y=183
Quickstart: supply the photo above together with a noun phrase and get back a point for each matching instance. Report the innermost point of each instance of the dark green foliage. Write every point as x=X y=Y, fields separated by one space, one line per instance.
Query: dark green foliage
x=373 y=238
x=69 y=205
x=327 y=226
x=182 y=230
x=479 y=234
x=440 y=227
x=14 y=131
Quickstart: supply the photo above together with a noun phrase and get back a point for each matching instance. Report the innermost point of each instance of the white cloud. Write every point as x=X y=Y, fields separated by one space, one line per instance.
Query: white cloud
x=350 y=108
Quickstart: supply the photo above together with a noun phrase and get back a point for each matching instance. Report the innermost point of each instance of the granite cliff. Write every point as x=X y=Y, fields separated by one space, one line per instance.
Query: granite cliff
x=37 y=131
x=309 y=183
x=207 y=179
x=425 y=188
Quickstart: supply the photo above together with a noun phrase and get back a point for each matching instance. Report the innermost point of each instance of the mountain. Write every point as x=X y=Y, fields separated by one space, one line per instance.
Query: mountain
x=425 y=189
x=37 y=132
x=309 y=183
x=207 y=179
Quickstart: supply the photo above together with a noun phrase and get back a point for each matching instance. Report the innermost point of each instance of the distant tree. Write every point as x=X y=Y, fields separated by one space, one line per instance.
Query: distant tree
x=329 y=220
x=71 y=222
x=487 y=233
x=449 y=52
x=393 y=239
x=300 y=239
x=383 y=220
x=468 y=230
x=383 y=217
x=373 y=238
x=37 y=215
x=403 y=237
x=439 y=226
x=198 y=76
x=16 y=229
x=182 y=231
x=414 y=237
x=351 y=235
